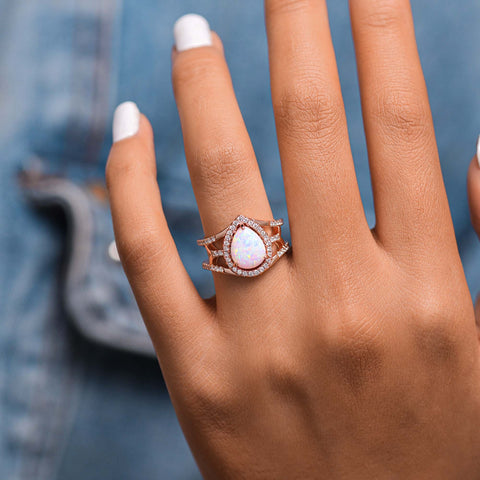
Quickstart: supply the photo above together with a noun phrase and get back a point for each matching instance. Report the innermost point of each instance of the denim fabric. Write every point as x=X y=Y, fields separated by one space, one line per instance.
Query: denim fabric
x=95 y=294
x=69 y=408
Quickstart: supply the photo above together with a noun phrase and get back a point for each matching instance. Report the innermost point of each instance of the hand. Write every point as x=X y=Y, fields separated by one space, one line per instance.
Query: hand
x=355 y=357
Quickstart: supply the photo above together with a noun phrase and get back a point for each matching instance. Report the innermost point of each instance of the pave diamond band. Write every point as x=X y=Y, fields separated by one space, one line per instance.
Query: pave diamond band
x=246 y=248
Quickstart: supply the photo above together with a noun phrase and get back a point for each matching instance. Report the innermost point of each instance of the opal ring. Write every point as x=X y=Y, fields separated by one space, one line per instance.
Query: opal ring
x=246 y=248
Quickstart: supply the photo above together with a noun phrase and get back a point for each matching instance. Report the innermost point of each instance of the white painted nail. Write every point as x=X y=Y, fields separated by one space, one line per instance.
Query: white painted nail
x=113 y=252
x=191 y=31
x=478 y=151
x=126 y=121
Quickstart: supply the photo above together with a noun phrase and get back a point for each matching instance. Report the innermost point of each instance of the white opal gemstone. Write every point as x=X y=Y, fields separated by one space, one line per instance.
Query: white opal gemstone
x=247 y=249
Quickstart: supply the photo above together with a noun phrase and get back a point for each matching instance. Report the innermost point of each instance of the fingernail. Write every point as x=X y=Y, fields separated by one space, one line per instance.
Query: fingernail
x=478 y=151
x=126 y=121
x=191 y=31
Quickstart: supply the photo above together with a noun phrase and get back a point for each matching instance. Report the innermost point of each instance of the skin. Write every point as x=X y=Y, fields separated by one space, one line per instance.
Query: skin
x=357 y=356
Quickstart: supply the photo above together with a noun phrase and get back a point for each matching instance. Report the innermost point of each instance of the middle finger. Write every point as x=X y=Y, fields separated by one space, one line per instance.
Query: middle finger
x=324 y=204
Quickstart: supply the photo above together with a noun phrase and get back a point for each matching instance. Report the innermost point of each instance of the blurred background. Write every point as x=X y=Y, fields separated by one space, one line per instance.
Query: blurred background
x=81 y=394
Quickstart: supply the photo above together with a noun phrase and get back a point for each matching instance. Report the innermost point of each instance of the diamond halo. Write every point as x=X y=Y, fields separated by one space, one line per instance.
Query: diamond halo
x=275 y=247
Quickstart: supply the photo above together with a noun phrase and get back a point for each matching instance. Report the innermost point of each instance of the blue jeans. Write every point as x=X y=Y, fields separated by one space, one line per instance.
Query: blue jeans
x=70 y=408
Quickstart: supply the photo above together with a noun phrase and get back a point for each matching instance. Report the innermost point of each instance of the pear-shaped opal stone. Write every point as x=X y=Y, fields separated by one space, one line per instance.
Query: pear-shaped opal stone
x=247 y=249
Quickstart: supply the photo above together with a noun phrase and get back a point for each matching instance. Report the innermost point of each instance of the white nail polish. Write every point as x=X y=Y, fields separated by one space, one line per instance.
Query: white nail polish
x=126 y=121
x=191 y=31
x=478 y=151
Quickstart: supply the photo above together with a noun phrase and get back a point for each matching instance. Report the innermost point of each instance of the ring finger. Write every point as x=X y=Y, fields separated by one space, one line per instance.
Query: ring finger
x=220 y=157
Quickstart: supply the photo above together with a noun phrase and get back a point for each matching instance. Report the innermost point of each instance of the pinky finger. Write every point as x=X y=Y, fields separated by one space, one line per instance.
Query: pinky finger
x=473 y=188
x=171 y=307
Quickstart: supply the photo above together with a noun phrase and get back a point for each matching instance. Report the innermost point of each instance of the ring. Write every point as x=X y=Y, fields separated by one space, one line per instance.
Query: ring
x=246 y=248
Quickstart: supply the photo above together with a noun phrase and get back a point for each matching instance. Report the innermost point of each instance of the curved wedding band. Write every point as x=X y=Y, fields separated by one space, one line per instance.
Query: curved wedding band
x=246 y=248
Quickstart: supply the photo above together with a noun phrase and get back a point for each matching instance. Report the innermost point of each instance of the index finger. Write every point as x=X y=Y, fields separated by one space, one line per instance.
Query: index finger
x=170 y=305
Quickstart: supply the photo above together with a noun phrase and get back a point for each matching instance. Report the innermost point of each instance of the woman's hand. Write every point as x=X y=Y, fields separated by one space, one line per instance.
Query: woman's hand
x=355 y=357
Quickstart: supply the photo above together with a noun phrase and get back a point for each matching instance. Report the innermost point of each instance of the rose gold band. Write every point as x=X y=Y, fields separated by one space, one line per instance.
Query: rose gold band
x=246 y=248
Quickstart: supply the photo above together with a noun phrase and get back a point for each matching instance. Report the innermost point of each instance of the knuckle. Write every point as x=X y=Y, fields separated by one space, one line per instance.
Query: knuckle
x=404 y=114
x=309 y=109
x=216 y=163
x=440 y=314
x=284 y=375
x=210 y=389
x=430 y=304
x=286 y=6
x=139 y=251
x=434 y=311
x=356 y=364
x=216 y=404
x=193 y=67
x=435 y=325
x=436 y=341
x=356 y=325
x=356 y=347
x=383 y=14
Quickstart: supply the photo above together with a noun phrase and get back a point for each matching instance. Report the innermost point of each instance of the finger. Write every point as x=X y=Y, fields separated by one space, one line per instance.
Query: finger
x=170 y=305
x=220 y=157
x=324 y=204
x=410 y=201
x=473 y=189
x=224 y=172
